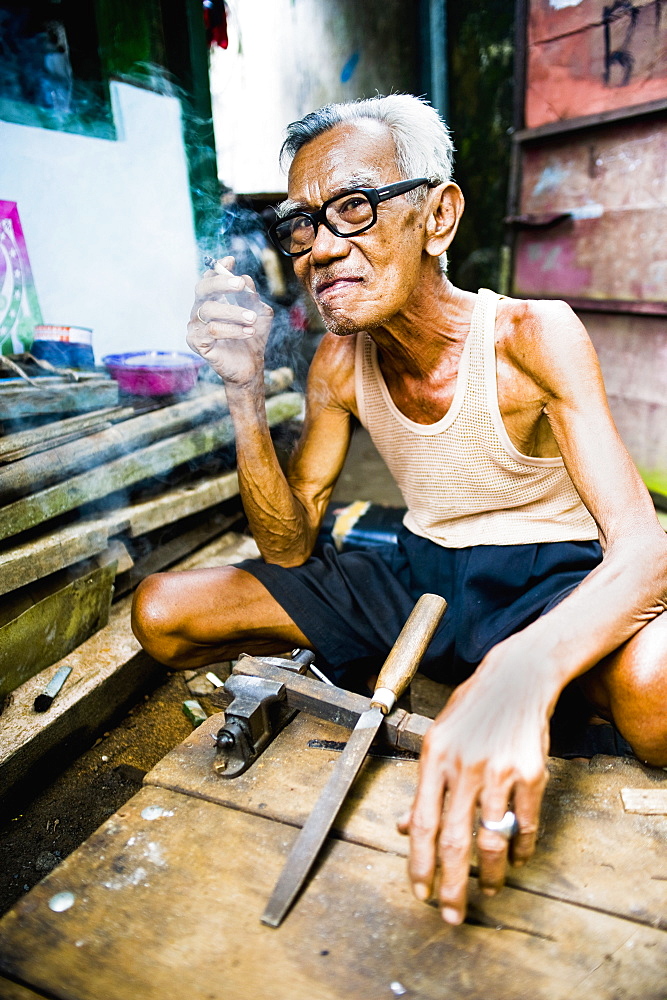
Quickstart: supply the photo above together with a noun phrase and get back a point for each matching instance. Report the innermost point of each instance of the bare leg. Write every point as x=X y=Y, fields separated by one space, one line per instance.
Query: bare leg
x=191 y=618
x=630 y=688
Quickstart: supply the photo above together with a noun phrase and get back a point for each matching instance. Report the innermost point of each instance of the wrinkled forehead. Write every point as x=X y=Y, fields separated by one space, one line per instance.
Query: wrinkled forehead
x=361 y=154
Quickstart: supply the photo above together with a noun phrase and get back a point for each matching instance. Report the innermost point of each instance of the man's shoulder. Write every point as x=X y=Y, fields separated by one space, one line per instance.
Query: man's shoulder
x=535 y=312
x=537 y=324
x=544 y=339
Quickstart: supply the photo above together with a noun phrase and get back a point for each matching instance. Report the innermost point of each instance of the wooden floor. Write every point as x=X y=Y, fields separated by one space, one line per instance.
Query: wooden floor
x=166 y=896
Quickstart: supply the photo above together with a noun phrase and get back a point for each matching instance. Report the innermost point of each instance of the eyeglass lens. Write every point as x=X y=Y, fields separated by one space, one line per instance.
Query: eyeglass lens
x=346 y=215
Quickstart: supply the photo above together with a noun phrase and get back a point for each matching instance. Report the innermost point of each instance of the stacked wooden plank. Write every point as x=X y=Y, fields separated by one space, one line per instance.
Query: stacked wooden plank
x=93 y=502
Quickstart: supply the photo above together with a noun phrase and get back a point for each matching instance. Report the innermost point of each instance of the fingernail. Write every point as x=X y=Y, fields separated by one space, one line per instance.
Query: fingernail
x=248 y=315
x=237 y=282
x=451 y=916
x=248 y=330
x=421 y=891
x=488 y=891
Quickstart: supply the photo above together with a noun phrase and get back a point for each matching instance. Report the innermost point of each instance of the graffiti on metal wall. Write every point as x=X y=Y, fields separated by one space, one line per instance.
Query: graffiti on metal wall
x=619 y=22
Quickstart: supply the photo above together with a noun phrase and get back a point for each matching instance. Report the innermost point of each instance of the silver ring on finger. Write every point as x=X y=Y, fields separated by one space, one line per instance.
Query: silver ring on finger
x=507 y=827
x=200 y=317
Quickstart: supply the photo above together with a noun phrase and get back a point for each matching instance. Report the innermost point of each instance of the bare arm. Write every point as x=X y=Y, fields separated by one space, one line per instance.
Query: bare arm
x=284 y=512
x=488 y=747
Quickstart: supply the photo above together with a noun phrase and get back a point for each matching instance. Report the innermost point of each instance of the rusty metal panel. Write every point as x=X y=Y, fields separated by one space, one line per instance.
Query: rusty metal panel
x=597 y=202
x=591 y=56
x=633 y=358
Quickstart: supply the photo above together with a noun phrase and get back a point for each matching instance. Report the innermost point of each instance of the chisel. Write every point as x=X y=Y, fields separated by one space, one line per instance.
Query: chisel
x=398 y=670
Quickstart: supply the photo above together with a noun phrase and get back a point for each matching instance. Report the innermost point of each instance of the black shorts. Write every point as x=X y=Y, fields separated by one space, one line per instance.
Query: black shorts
x=352 y=605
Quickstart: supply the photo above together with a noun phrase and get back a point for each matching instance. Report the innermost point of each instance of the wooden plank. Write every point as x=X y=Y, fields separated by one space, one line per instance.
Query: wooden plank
x=156 y=459
x=14 y=991
x=167 y=553
x=63 y=461
x=179 y=503
x=590 y=851
x=647 y=801
x=109 y=670
x=38 y=558
x=54 y=625
x=55 y=395
x=93 y=446
x=158 y=913
x=22 y=443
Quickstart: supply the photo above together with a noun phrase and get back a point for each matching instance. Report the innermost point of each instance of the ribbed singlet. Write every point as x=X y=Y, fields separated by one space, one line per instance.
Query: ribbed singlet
x=463 y=481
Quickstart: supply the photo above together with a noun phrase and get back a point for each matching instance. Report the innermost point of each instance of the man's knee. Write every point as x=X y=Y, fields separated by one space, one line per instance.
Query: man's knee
x=155 y=616
x=634 y=681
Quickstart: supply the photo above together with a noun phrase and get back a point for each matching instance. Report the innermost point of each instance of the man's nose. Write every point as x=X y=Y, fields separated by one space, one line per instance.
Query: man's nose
x=328 y=246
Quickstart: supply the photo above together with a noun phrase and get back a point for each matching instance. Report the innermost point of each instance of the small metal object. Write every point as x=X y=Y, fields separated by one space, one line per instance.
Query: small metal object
x=307 y=657
x=44 y=700
x=200 y=317
x=507 y=827
x=248 y=723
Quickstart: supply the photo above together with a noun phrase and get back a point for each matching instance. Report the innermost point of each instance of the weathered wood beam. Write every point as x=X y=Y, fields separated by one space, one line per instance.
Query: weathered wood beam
x=53 y=624
x=168 y=553
x=55 y=550
x=23 y=443
x=90 y=450
x=156 y=459
x=109 y=671
x=95 y=446
x=56 y=395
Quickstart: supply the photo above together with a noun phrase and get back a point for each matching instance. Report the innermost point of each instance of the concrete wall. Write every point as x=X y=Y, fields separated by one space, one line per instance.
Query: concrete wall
x=288 y=57
x=108 y=224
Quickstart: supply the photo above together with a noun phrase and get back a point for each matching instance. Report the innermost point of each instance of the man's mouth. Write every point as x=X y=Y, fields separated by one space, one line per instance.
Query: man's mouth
x=329 y=285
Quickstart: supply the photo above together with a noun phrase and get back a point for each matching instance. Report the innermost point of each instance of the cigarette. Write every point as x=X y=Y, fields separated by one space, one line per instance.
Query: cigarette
x=44 y=700
x=210 y=261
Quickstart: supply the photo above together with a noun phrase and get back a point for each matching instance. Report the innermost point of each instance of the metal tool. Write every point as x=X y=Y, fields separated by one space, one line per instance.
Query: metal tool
x=396 y=674
x=256 y=713
x=44 y=700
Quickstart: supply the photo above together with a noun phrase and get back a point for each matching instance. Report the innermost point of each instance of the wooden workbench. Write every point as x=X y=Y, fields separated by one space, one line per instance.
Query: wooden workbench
x=168 y=894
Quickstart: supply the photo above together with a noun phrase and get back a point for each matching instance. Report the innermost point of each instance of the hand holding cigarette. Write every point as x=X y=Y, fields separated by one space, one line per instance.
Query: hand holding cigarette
x=229 y=322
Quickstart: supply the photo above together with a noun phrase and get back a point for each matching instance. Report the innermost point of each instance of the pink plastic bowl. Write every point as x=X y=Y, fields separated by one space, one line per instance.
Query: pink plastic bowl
x=154 y=373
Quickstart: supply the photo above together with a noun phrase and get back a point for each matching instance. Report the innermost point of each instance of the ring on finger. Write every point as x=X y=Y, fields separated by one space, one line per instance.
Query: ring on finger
x=507 y=827
x=200 y=317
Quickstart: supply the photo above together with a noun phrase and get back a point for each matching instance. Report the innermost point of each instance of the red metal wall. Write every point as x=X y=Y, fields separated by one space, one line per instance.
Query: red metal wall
x=589 y=195
x=590 y=56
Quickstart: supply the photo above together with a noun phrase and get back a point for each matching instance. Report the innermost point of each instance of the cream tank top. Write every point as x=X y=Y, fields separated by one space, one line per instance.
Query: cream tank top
x=463 y=481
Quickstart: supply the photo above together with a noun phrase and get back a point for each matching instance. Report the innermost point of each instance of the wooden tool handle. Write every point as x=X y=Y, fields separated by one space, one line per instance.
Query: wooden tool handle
x=405 y=656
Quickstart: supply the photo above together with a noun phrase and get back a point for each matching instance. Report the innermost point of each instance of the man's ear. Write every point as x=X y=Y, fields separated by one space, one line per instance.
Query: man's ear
x=446 y=204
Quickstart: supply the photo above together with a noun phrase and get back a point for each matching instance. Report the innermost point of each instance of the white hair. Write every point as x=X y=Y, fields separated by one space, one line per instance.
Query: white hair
x=421 y=137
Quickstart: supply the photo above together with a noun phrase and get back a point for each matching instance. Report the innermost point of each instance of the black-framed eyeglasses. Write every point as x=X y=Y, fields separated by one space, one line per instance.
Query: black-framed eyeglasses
x=347 y=214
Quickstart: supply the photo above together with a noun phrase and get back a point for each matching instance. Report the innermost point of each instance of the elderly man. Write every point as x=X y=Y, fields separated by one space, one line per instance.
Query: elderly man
x=524 y=509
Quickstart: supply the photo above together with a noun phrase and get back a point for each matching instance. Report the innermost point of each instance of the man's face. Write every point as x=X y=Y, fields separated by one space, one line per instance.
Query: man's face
x=357 y=282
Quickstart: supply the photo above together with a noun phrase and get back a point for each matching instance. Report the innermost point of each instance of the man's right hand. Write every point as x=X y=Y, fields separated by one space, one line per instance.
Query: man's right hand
x=229 y=324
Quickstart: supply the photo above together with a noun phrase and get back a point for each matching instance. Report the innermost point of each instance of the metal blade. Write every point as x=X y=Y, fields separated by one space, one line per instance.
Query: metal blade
x=309 y=841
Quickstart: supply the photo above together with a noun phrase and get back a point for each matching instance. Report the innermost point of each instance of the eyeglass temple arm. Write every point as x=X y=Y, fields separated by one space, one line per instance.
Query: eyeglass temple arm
x=400 y=187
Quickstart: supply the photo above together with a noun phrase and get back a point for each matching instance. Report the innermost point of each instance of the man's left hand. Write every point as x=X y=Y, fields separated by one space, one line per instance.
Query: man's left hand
x=486 y=749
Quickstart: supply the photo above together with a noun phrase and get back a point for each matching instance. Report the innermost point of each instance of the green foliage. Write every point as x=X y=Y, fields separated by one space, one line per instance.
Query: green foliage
x=480 y=77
